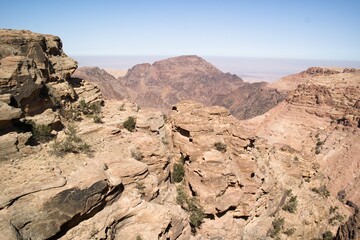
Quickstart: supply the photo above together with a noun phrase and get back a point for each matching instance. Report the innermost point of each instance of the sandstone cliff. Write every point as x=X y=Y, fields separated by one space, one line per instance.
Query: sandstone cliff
x=107 y=169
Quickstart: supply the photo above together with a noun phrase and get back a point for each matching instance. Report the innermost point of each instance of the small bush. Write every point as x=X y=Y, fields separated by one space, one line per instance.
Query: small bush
x=196 y=212
x=130 y=124
x=277 y=226
x=89 y=108
x=327 y=235
x=322 y=191
x=41 y=132
x=71 y=144
x=221 y=147
x=192 y=206
x=178 y=172
x=291 y=205
x=335 y=216
x=97 y=118
x=181 y=197
x=138 y=237
x=289 y=231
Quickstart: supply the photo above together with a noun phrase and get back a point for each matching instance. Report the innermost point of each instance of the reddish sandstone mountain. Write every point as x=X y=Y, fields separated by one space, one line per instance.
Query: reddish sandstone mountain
x=164 y=83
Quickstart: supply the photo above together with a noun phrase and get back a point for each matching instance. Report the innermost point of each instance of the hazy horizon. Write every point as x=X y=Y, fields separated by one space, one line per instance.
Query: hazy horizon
x=250 y=69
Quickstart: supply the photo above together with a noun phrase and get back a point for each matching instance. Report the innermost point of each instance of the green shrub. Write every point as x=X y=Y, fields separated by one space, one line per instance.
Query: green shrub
x=322 y=191
x=41 y=132
x=89 y=108
x=289 y=231
x=178 y=172
x=335 y=216
x=277 y=226
x=130 y=124
x=291 y=205
x=138 y=237
x=327 y=235
x=221 y=147
x=181 y=197
x=97 y=118
x=71 y=144
x=192 y=206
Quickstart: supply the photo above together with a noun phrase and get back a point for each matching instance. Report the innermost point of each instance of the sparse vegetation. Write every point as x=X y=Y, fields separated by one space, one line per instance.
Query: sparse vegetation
x=277 y=226
x=89 y=108
x=290 y=231
x=181 y=197
x=221 y=147
x=71 y=114
x=97 y=118
x=327 y=235
x=136 y=154
x=92 y=110
x=138 y=237
x=178 y=172
x=192 y=206
x=130 y=124
x=291 y=205
x=336 y=217
x=41 y=132
x=322 y=191
x=71 y=144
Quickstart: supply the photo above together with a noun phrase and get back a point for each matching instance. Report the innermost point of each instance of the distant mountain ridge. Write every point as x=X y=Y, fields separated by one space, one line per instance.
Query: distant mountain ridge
x=164 y=83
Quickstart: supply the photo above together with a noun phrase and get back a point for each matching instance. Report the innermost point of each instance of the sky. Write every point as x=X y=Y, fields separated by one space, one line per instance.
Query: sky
x=296 y=29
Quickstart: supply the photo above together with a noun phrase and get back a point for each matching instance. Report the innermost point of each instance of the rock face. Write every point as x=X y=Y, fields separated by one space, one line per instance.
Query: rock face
x=251 y=100
x=164 y=83
x=32 y=68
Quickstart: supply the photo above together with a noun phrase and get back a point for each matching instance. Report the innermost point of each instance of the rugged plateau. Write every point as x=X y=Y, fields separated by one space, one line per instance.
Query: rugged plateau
x=77 y=166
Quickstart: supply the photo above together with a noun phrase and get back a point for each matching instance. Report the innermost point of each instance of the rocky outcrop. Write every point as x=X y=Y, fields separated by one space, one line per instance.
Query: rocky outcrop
x=33 y=73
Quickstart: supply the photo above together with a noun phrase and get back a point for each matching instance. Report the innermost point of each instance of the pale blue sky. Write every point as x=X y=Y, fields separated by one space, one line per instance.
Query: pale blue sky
x=302 y=29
